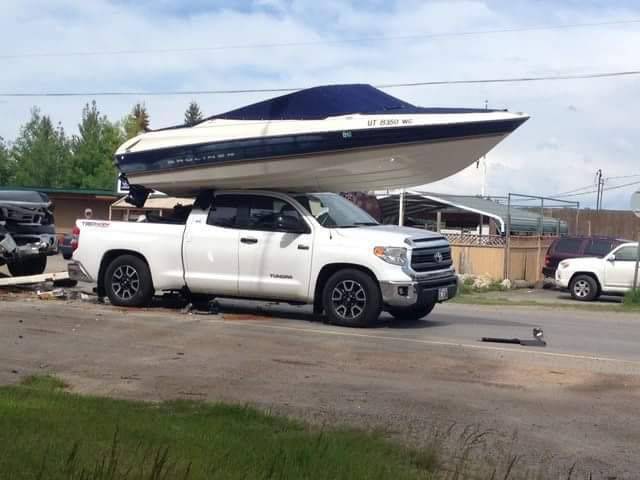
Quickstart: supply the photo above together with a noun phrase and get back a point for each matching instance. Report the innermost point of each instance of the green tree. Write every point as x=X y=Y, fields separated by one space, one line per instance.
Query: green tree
x=137 y=121
x=192 y=115
x=6 y=165
x=40 y=154
x=93 y=149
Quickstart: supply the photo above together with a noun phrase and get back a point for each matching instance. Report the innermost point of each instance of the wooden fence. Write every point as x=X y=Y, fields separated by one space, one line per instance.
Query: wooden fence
x=490 y=256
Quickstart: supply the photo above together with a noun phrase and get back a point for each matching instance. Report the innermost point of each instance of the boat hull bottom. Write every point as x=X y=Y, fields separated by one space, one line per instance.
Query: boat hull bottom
x=396 y=166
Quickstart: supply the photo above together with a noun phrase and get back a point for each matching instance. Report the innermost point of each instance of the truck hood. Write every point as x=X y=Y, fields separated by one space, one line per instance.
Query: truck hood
x=389 y=235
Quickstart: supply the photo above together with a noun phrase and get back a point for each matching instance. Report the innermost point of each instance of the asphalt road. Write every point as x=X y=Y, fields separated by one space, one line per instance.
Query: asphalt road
x=574 y=401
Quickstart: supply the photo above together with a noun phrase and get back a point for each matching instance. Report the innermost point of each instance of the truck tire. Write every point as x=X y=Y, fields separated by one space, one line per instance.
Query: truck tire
x=584 y=288
x=31 y=265
x=128 y=283
x=352 y=298
x=413 y=313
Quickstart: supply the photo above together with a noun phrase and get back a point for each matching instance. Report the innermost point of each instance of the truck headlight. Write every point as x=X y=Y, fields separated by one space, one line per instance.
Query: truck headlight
x=392 y=255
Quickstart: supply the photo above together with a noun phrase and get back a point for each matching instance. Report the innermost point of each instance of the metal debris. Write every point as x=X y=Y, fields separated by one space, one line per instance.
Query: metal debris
x=538 y=339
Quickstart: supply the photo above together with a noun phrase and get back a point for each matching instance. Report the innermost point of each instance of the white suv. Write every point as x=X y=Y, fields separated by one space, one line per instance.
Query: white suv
x=588 y=278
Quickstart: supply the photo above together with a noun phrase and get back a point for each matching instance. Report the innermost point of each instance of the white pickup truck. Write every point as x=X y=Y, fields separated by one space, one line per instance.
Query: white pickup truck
x=587 y=278
x=315 y=248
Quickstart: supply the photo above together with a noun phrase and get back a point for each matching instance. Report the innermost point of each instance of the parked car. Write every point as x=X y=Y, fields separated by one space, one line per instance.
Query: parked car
x=577 y=247
x=315 y=248
x=66 y=247
x=588 y=278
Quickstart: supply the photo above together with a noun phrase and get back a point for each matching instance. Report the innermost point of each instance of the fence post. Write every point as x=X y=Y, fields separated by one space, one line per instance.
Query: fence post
x=401 y=209
x=507 y=255
x=438 y=220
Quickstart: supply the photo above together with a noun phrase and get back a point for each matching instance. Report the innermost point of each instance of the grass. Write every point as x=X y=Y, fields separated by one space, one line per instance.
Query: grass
x=468 y=295
x=479 y=299
x=48 y=433
x=467 y=287
x=632 y=299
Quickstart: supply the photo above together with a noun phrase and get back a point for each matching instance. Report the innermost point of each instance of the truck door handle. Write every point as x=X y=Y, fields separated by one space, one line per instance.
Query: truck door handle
x=303 y=247
x=249 y=240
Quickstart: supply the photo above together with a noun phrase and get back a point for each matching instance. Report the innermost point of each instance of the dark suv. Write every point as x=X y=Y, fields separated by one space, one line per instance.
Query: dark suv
x=576 y=247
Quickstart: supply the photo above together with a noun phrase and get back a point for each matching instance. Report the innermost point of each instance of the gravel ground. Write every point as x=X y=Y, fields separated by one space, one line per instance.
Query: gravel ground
x=569 y=402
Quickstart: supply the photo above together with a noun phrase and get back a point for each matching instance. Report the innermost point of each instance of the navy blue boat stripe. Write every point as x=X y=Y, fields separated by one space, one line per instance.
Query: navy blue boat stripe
x=263 y=148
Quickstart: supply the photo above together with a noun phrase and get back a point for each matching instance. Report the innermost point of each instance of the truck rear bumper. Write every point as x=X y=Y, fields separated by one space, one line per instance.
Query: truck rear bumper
x=77 y=272
x=425 y=292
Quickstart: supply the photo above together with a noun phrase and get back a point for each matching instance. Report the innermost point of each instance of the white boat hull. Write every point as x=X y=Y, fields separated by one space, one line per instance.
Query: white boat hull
x=394 y=166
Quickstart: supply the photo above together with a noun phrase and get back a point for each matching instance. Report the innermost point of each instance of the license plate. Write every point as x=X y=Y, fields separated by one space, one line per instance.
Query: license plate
x=443 y=293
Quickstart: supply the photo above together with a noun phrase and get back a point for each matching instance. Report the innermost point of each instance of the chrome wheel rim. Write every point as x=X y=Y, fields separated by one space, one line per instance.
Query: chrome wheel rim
x=348 y=299
x=125 y=282
x=582 y=289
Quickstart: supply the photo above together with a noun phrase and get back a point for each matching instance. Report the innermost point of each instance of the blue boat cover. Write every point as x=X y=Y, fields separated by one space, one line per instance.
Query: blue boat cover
x=330 y=101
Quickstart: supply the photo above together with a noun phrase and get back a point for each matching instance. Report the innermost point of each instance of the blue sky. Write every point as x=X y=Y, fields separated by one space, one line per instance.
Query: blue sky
x=576 y=126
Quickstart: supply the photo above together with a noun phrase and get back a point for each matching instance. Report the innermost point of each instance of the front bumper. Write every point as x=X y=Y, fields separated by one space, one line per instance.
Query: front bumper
x=563 y=277
x=15 y=247
x=419 y=292
x=77 y=272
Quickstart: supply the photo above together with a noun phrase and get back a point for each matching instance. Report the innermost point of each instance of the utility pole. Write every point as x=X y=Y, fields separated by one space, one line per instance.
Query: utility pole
x=600 y=184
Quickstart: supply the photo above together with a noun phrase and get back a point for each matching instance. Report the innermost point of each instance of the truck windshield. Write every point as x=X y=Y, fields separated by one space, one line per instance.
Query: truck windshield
x=333 y=211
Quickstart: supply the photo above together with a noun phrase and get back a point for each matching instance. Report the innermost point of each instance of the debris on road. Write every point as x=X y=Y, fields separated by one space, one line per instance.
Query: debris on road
x=56 y=294
x=31 y=279
x=538 y=340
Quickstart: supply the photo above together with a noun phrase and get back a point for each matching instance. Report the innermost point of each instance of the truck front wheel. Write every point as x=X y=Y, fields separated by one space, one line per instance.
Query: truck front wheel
x=352 y=298
x=31 y=265
x=584 y=288
x=412 y=313
x=128 y=283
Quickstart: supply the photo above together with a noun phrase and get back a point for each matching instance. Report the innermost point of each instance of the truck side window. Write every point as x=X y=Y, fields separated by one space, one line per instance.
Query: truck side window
x=569 y=245
x=598 y=248
x=264 y=211
x=225 y=212
x=627 y=254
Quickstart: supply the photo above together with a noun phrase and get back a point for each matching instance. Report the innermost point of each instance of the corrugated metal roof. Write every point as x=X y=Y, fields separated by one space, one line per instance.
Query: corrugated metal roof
x=522 y=220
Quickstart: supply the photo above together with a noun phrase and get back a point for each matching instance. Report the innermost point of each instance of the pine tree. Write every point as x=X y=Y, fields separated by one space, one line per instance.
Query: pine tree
x=192 y=115
x=7 y=172
x=40 y=154
x=93 y=150
x=137 y=121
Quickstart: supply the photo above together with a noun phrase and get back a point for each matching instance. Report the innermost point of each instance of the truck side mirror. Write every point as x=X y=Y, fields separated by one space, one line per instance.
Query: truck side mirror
x=290 y=224
x=611 y=258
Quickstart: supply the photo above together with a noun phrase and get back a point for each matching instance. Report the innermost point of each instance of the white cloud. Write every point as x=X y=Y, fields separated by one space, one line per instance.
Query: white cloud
x=584 y=125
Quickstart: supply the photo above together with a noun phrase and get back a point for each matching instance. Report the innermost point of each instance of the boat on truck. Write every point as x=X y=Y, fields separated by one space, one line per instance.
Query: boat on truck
x=301 y=248
x=332 y=138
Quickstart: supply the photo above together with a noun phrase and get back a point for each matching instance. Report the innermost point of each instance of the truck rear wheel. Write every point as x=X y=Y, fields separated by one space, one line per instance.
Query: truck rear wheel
x=352 y=298
x=128 y=283
x=412 y=313
x=31 y=265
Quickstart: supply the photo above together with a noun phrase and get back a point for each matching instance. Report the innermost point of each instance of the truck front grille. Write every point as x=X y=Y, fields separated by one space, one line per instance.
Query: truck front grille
x=430 y=259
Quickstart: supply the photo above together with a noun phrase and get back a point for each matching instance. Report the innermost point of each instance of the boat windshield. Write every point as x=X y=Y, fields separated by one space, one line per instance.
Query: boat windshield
x=333 y=211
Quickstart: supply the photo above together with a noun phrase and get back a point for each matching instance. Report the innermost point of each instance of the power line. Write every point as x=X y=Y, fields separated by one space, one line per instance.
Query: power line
x=586 y=187
x=315 y=42
x=572 y=191
x=607 y=189
x=292 y=89
x=622 y=176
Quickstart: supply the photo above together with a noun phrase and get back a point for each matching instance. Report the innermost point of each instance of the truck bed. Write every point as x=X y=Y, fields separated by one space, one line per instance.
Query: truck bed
x=160 y=241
